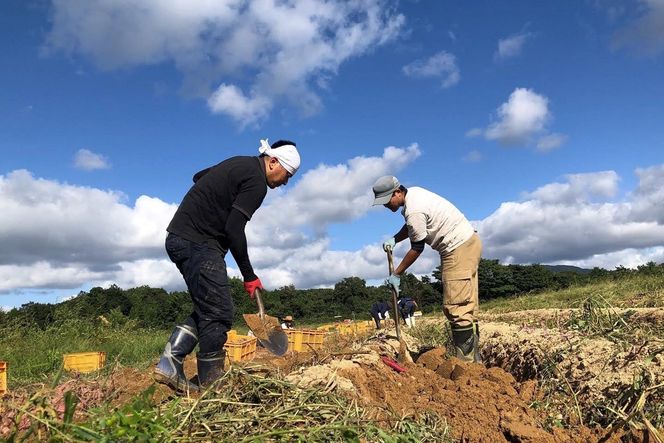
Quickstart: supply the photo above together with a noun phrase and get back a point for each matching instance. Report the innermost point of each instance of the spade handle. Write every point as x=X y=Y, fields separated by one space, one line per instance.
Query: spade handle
x=397 y=319
x=261 y=309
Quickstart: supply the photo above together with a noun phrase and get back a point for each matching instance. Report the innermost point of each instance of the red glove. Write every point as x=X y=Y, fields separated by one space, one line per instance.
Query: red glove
x=251 y=286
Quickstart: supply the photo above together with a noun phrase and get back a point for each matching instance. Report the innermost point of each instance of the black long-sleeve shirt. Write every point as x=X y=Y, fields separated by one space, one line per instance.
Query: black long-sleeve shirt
x=219 y=204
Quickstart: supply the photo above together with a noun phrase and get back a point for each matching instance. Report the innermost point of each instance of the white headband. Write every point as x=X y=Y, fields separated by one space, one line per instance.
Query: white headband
x=286 y=154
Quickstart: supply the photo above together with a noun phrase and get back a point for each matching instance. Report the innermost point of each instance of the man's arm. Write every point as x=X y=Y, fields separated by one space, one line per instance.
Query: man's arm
x=408 y=260
x=238 y=243
x=402 y=234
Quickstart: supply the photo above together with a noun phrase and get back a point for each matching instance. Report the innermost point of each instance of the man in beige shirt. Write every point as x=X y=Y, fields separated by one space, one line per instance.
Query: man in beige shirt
x=431 y=219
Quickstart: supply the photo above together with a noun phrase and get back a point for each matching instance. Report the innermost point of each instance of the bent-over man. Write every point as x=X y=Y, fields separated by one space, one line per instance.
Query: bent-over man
x=209 y=222
x=432 y=220
x=380 y=310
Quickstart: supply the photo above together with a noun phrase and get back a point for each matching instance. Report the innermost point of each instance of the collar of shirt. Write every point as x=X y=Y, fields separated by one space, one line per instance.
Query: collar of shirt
x=261 y=166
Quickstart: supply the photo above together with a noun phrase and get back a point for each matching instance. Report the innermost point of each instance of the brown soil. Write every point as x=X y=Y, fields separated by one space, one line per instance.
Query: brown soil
x=480 y=404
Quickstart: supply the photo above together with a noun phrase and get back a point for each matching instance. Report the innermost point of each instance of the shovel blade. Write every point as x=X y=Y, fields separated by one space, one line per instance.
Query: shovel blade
x=268 y=332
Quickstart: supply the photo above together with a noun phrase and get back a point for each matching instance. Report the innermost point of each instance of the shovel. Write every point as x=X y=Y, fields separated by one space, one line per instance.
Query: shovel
x=404 y=354
x=267 y=329
x=397 y=316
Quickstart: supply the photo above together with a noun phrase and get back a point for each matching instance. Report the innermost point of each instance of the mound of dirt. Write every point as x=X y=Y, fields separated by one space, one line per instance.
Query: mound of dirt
x=480 y=404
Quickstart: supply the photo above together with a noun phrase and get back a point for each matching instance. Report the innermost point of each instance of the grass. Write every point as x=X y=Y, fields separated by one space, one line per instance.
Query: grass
x=240 y=407
x=639 y=406
x=629 y=292
x=36 y=355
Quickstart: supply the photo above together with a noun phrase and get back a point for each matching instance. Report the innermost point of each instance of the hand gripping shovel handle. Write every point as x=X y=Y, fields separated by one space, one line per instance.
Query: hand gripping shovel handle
x=397 y=317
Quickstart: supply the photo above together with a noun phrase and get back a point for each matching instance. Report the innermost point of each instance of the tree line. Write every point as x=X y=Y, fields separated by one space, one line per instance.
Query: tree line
x=350 y=298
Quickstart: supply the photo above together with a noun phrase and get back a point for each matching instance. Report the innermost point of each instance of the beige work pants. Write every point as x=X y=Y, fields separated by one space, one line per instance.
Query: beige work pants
x=460 y=282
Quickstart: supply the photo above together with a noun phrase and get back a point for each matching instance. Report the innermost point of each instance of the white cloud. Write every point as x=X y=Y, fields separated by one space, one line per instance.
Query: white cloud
x=274 y=50
x=550 y=142
x=576 y=221
x=229 y=99
x=89 y=161
x=629 y=258
x=578 y=188
x=56 y=235
x=511 y=46
x=645 y=35
x=442 y=65
x=647 y=198
x=63 y=225
x=523 y=118
x=59 y=236
x=523 y=115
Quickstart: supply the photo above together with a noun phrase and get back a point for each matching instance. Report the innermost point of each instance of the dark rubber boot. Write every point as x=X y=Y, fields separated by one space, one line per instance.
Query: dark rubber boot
x=169 y=370
x=477 y=357
x=465 y=342
x=210 y=367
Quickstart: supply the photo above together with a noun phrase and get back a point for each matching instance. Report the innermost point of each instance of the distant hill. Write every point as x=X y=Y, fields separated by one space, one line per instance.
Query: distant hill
x=567 y=268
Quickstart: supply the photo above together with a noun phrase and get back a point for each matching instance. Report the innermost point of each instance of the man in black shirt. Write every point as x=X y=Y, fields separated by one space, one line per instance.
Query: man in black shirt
x=209 y=222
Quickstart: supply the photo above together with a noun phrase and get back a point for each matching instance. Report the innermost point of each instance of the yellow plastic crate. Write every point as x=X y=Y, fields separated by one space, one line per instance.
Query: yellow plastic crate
x=294 y=339
x=312 y=339
x=346 y=328
x=84 y=361
x=353 y=328
x=240 y=348
x=3 y=378
x=327 y=327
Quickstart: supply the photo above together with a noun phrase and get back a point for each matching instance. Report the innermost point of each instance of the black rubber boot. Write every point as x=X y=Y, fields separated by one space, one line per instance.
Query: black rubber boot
x=169 y=370
x=210 y=367
x=477 y=357
x=465 y=342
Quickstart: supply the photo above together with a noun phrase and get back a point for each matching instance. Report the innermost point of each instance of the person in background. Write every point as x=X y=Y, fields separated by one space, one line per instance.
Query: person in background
x=209 y=222
x=407 y=309
x=288 y=322
x=380 y=310
x=430 y=219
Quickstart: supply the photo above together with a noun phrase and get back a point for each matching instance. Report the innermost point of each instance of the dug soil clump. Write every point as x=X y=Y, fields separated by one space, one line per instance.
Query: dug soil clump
x=479 y=404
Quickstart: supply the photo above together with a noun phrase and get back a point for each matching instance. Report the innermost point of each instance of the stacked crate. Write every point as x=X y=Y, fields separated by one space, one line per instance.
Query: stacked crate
x=239 y=348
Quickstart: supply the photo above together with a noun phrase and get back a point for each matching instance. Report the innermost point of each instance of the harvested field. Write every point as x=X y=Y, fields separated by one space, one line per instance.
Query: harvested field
x=539 y=385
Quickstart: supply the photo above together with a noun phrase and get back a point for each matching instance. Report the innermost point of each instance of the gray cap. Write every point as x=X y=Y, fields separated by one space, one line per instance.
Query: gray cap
x=383 y=189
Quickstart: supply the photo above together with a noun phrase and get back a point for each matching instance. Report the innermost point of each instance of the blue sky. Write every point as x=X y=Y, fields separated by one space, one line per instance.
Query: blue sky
x=541 y=121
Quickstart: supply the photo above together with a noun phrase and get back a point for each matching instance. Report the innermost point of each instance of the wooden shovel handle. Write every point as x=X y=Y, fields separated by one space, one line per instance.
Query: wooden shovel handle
x=261 y=309
x=397 y=317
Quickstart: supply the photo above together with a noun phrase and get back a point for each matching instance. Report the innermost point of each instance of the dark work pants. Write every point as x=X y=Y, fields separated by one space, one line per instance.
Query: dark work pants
x=408 y=310
x=204 y=270
x=377 y=319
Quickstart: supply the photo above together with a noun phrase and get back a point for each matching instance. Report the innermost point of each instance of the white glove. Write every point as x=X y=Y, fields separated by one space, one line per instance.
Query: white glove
x=388 y=245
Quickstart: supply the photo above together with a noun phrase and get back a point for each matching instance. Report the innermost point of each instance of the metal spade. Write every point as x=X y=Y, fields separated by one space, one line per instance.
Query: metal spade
x=267 y=329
